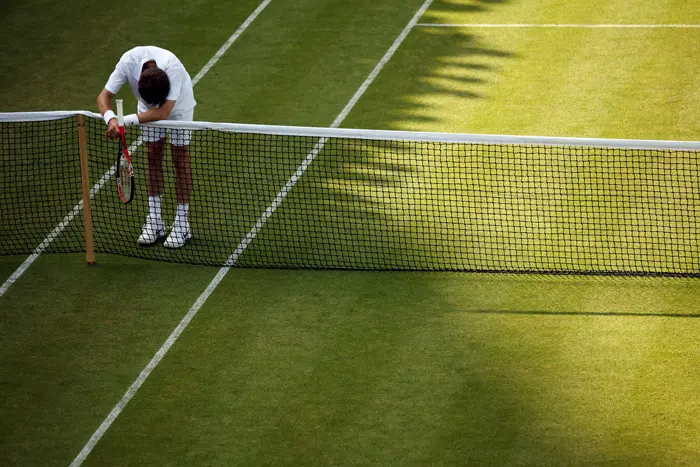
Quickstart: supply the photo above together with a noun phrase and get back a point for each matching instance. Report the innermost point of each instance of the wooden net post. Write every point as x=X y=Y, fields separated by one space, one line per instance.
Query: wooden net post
x=87 y=211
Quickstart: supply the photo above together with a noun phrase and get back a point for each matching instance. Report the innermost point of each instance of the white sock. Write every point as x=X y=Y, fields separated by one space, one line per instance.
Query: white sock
x=155 y=211
x=181 y=217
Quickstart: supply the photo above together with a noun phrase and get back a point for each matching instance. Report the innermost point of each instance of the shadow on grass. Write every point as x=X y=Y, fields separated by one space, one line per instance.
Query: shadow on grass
x=445 y=62
x=469 y=6
x=387 y=204
x=333 y=368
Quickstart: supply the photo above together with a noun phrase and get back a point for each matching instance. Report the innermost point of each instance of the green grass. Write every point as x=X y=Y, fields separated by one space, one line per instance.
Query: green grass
x=342 y=368
x=556 y=82
x=318 y=367
x=563 y=12
x=71 y=339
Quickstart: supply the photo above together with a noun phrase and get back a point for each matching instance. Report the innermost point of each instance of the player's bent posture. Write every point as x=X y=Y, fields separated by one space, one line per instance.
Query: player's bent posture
x=163 y=89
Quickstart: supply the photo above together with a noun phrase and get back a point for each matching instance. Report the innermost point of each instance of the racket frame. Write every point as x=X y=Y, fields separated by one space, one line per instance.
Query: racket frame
x=123 y=152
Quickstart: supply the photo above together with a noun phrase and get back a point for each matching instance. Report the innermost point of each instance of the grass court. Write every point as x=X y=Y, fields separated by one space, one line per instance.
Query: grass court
x=302 y=367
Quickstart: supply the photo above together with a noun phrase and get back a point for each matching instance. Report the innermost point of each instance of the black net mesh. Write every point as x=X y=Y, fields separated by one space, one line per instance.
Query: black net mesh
x=286 y=201
x=40 y=179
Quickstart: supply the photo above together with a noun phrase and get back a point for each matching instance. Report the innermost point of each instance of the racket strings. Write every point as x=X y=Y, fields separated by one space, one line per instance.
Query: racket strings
x=125 y=172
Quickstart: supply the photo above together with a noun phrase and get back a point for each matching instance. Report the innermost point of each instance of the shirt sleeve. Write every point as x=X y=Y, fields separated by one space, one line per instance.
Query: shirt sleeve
x=175 y=75
x=119 y=76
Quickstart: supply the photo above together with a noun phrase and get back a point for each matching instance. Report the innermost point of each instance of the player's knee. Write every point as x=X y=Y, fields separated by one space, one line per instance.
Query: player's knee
x=155 y=149
x=181 y=156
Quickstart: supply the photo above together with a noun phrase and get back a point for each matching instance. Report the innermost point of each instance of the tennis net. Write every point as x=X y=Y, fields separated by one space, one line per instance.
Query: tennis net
x=293 y=197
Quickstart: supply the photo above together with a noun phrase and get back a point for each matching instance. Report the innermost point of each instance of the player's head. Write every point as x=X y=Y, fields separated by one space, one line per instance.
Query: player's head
x=154 y=85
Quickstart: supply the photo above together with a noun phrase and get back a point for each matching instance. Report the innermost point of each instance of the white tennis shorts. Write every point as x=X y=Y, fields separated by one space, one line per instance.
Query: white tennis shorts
x=177 y=137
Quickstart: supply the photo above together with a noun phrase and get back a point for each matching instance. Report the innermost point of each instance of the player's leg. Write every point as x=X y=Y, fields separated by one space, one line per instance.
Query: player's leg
x=154 y=228
x=183 y=173
x=155 y=152
x=181 y=233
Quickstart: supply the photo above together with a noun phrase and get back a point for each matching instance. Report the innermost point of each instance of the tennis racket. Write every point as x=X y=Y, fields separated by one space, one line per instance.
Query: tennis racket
x=125 y=171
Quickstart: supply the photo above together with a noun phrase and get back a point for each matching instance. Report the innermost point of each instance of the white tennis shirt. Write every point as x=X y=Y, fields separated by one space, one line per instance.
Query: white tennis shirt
x=129 y=69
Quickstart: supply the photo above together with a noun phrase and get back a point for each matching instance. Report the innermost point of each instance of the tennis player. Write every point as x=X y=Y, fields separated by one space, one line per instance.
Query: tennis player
x=163 y=89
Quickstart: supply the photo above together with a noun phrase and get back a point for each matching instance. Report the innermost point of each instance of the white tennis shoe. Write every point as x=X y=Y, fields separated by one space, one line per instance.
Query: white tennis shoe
x=179 y=235
x=153 y=230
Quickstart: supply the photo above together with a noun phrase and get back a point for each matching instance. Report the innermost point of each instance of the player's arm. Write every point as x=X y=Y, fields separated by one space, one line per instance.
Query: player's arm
x=159 y=113
x=104 y=104
x=117 y=79
x=152 y=115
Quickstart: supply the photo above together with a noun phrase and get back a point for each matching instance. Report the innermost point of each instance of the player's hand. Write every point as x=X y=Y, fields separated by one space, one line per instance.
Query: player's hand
x=113 y=129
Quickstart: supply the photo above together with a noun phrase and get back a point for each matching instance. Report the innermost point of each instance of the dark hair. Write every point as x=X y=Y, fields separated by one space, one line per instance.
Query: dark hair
x=154 y=85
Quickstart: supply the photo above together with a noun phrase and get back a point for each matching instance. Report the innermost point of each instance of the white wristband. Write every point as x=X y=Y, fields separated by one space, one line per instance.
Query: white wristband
x=131 y=119
x=109 y=115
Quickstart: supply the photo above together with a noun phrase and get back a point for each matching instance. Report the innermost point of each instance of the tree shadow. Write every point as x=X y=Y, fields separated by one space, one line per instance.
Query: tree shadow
x=472 y=6
x=448 y=65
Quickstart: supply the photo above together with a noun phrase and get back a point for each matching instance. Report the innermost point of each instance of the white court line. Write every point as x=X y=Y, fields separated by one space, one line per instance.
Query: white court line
x=230 y=41
x=582 y=26
x=78 y=207
x=243 y=245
